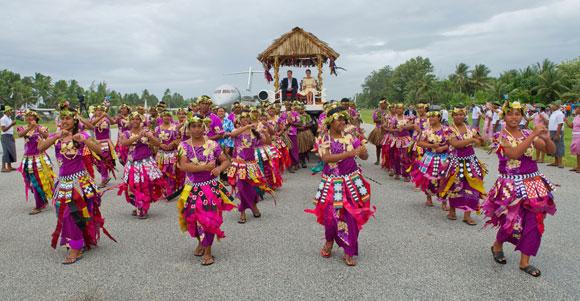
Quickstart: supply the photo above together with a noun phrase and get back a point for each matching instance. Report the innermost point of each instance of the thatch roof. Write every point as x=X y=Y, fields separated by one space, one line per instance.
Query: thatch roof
x=297 y=47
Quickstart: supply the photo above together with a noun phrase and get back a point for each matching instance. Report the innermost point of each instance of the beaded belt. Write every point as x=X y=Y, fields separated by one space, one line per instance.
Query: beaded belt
x=520 y=177
x=201 y=183
x=342 y=176
x=75 y=175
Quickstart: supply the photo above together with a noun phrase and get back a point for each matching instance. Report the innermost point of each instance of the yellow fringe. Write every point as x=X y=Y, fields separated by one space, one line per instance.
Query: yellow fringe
x=181 y=205
x=46 y=178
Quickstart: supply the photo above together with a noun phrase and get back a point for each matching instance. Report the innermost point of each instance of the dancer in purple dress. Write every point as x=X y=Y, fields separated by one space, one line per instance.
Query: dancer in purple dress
x=76 y=196
x=522 y=196
x=429 y=170
x=36 y=167
x=244 y=173
x=204 y=197
x=143 y=181
x=342 y=202
x=166 y=157
x=463 y=186
x=101 y=125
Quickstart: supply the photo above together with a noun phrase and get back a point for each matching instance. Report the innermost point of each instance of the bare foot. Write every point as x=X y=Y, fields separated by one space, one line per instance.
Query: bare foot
x=349 y=261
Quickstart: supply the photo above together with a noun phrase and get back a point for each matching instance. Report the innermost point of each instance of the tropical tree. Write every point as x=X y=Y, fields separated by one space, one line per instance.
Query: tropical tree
x=460 y=77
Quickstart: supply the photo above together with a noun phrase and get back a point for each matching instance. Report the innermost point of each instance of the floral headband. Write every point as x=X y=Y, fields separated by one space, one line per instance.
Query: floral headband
x=423 y=105
x=330 y=118
x=124 y=106
x=191 y=119
x=99 y=108
x=433 y=114
x=136 y=114
x=68 y=113
x=459 y=110
x=165 y=113
x=508 y=106
x=204 y=99
x=31 y=113
x=384 y=101
x=399 y=105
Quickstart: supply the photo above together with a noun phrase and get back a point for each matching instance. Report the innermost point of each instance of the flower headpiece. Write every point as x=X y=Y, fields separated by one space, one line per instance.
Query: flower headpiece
x=191 y=119
x=7 y=109
x=508 y=106
x=136 y=114
x=31 y=113
x=433 y=114
x=399 y=105
x=100 y=108
x=204 y=99
x=384 y=101
x=334 y=116
x=125 y=106
x=165 y=113
x=423 y=106
x=459 y=110
x=68 y=112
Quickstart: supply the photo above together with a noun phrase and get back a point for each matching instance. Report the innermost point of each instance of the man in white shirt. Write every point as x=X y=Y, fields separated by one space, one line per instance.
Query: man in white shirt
x=475 y=117
x=556 y=128
x=495 y=118
x=444 y=116
x=8 y=143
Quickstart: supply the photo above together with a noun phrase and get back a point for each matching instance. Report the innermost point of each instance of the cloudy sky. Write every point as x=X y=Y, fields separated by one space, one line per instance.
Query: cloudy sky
x=188 y=45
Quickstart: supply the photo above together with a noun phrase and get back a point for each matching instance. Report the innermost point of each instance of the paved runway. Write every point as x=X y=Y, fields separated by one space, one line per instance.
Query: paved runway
x=407 y=252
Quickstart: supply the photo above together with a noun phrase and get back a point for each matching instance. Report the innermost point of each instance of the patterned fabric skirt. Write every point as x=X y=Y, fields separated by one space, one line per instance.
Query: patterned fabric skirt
x=284 y=161
x=342 y=206
x=38 y=178
x=143 y=183
x=401 y=158
x=77 y=201
x=428 y=172
x=268 y=159
x=387 y=152
x=517 y=205
x=463 y=184
x=200 y=208
x=122 y=152
x=305 y=141
x=105 y=163
x=249 y=182
x=376 y=136
x=167 y=163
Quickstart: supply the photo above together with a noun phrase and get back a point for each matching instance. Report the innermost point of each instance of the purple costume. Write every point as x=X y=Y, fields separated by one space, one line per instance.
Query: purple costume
x=343 y=197
x=36 y=169
x=520 y=199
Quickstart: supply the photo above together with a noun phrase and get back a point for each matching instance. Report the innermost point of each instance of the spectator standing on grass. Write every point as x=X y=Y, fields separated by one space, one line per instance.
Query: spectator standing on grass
x=8 y=142
x=556 y=128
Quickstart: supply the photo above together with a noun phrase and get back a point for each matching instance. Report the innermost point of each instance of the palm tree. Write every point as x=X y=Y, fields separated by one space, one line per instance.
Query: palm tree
x=460 y=77
x=479 y=77
x=550 y=86
x=498 y=89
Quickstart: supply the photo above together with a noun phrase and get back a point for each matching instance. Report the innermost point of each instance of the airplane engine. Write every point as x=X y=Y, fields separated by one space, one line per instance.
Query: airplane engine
x=266 y=95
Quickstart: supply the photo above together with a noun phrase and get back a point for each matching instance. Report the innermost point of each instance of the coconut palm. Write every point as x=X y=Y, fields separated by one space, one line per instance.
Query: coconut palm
x=461 y=77
x=479 y=78
x=550 y=86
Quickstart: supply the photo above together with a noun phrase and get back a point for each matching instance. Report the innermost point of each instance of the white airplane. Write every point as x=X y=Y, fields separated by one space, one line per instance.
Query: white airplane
x=250 y=74
x=225 y=95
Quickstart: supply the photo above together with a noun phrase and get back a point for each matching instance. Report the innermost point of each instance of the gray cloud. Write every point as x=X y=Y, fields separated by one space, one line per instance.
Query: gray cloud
x=187 y=46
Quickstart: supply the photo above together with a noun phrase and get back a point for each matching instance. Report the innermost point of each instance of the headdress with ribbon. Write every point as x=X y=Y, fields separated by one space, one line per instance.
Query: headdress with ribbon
x=508 y=106
x=335 y=114
x=204 y=99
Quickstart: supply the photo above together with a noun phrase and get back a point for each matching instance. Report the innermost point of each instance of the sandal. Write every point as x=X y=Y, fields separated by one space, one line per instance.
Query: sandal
x=326 y=252
x=134 y=213
x=349 y=262
x=205 y=261
x=197 y=253
x=451 y=217
x=470 y=222
x=532 y=270
x=498 y=256
x=35 y=211
x=242 y=220
x=71 y=260
x=258 y=215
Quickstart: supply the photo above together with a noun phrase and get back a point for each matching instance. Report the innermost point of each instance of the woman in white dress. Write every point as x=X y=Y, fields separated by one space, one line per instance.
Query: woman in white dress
x=309 y=86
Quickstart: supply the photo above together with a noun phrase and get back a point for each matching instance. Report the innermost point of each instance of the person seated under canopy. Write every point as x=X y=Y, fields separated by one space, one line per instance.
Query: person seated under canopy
x=309 y=87
x=289 y=84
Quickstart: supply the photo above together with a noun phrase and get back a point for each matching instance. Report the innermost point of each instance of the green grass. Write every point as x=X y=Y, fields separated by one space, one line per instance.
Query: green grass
x=569 y=160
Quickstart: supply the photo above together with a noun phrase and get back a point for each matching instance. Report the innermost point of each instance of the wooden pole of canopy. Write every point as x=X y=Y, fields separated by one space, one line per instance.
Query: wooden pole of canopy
x=319 y=66
x=276 y=74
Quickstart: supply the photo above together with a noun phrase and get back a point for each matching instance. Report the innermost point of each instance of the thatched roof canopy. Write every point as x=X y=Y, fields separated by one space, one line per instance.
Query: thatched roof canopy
x=297 y=48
